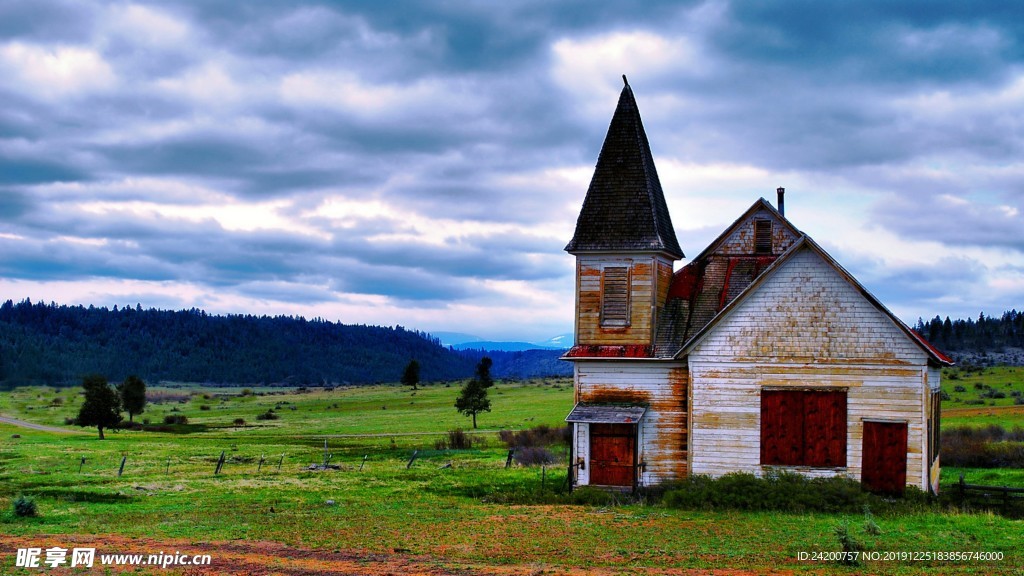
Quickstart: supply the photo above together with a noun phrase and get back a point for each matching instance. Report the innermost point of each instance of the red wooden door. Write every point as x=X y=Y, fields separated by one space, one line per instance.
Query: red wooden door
x=885 y=457
x=612 y=454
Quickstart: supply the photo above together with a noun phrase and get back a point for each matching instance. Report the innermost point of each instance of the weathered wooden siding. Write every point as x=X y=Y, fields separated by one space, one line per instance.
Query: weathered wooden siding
x=805 y=327
x=934 y=418
x=662 y=434
x=741 y=241
x=581 y=451
x=649 y=278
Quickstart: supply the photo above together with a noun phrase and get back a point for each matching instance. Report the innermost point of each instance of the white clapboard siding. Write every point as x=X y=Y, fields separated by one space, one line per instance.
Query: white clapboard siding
x=805 y=326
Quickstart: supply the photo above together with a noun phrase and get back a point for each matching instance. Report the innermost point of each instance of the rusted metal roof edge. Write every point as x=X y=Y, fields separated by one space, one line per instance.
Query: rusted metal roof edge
x=760 y=203
x=805 y=240
x=620 y=358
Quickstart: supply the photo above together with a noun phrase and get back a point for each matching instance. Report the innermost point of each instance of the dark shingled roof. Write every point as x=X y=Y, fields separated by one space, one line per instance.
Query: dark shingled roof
x=625 y=207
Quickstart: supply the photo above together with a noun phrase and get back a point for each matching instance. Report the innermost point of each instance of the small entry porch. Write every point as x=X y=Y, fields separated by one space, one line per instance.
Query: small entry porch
x=606 y=441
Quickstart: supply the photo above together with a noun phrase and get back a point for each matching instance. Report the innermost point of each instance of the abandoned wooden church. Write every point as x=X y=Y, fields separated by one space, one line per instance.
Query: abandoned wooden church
x=761 y=353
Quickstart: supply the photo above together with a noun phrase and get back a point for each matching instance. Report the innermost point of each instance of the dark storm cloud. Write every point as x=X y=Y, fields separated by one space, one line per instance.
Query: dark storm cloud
x=955 y=222
x=46 y=20
x=13 y=204
x=406 y=284
x=878 y=41
x=35 y=171
x=920 y=282
x=197 y=155
x=506 y=257
x=49 y=260
x=451 y=114
x=811 y=85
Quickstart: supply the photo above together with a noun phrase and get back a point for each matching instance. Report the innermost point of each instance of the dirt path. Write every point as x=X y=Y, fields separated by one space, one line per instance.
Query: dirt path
x=33 y=426
x=242 y=558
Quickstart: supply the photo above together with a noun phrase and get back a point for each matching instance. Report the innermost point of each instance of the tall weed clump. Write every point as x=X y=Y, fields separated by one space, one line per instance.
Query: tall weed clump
x=533 y=446
x=457 y=439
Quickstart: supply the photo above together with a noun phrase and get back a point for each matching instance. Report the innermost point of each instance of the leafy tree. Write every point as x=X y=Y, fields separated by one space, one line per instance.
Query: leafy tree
x=411 y=376
x=133 y=395
x=101 y=407
x=473 y=398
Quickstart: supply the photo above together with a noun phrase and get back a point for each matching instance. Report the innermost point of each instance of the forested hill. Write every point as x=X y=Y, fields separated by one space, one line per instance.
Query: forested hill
x=987 y=334
x=56 y=345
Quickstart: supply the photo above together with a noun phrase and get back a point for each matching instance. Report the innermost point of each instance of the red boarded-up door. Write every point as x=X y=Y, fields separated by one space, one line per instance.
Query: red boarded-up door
x=612 y=454
x=885 y=457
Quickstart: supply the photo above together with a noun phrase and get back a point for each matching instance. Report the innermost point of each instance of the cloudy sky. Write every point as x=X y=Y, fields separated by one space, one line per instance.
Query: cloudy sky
x=423 y=163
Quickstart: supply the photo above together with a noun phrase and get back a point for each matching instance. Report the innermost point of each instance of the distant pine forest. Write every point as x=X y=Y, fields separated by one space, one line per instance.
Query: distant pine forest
x=57 y=344
x=986 y=335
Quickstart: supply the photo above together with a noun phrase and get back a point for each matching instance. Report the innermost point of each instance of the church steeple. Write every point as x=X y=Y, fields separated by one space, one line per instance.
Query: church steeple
x=624 y=243
x=624 y=210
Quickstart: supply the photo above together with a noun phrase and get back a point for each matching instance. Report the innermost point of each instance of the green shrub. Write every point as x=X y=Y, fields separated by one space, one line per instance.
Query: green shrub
x=24 y=507
x=870 y=526
x=849 y=544
x=780 y=491
x=959 y=388
x=268 y=415
x=175 y=419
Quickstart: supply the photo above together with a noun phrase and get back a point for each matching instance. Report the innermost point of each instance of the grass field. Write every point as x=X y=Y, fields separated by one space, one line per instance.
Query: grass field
x=447 y=513
x=986 y=396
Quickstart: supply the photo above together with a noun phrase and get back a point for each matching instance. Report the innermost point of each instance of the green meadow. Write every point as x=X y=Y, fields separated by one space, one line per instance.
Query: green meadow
x=454 y=509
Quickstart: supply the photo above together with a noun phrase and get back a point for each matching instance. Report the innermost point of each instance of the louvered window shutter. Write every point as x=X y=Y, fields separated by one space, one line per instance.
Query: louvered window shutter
x=615 y=296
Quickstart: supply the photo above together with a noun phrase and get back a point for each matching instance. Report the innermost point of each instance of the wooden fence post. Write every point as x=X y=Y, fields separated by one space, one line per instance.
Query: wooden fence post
x=167 y=469
x=220 y=463
x=508 y=461
x=80 y=464
x=365 y=456
x=279 y=462
x=260 y=467
x=121 y=469
x=415 y=453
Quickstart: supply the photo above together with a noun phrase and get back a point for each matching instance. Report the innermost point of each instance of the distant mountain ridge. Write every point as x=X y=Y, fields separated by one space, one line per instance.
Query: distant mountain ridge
x=462 y=341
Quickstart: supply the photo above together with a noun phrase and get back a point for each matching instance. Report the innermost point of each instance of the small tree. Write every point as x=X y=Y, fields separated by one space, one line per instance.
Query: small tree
x=473 y=398
x=483 y=372
x=133 y=395
x=411 y=376
x=101 y=407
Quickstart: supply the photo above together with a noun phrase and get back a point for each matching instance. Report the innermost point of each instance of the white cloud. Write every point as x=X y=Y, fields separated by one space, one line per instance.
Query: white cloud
x=232 y=216
x=145 y=25
x=349 y=92
x=207 y=84
x=54 y=72
x=589 y=68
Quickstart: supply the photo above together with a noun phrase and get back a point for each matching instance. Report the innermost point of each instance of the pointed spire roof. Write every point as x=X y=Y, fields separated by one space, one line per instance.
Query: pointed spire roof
x=625 y=207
